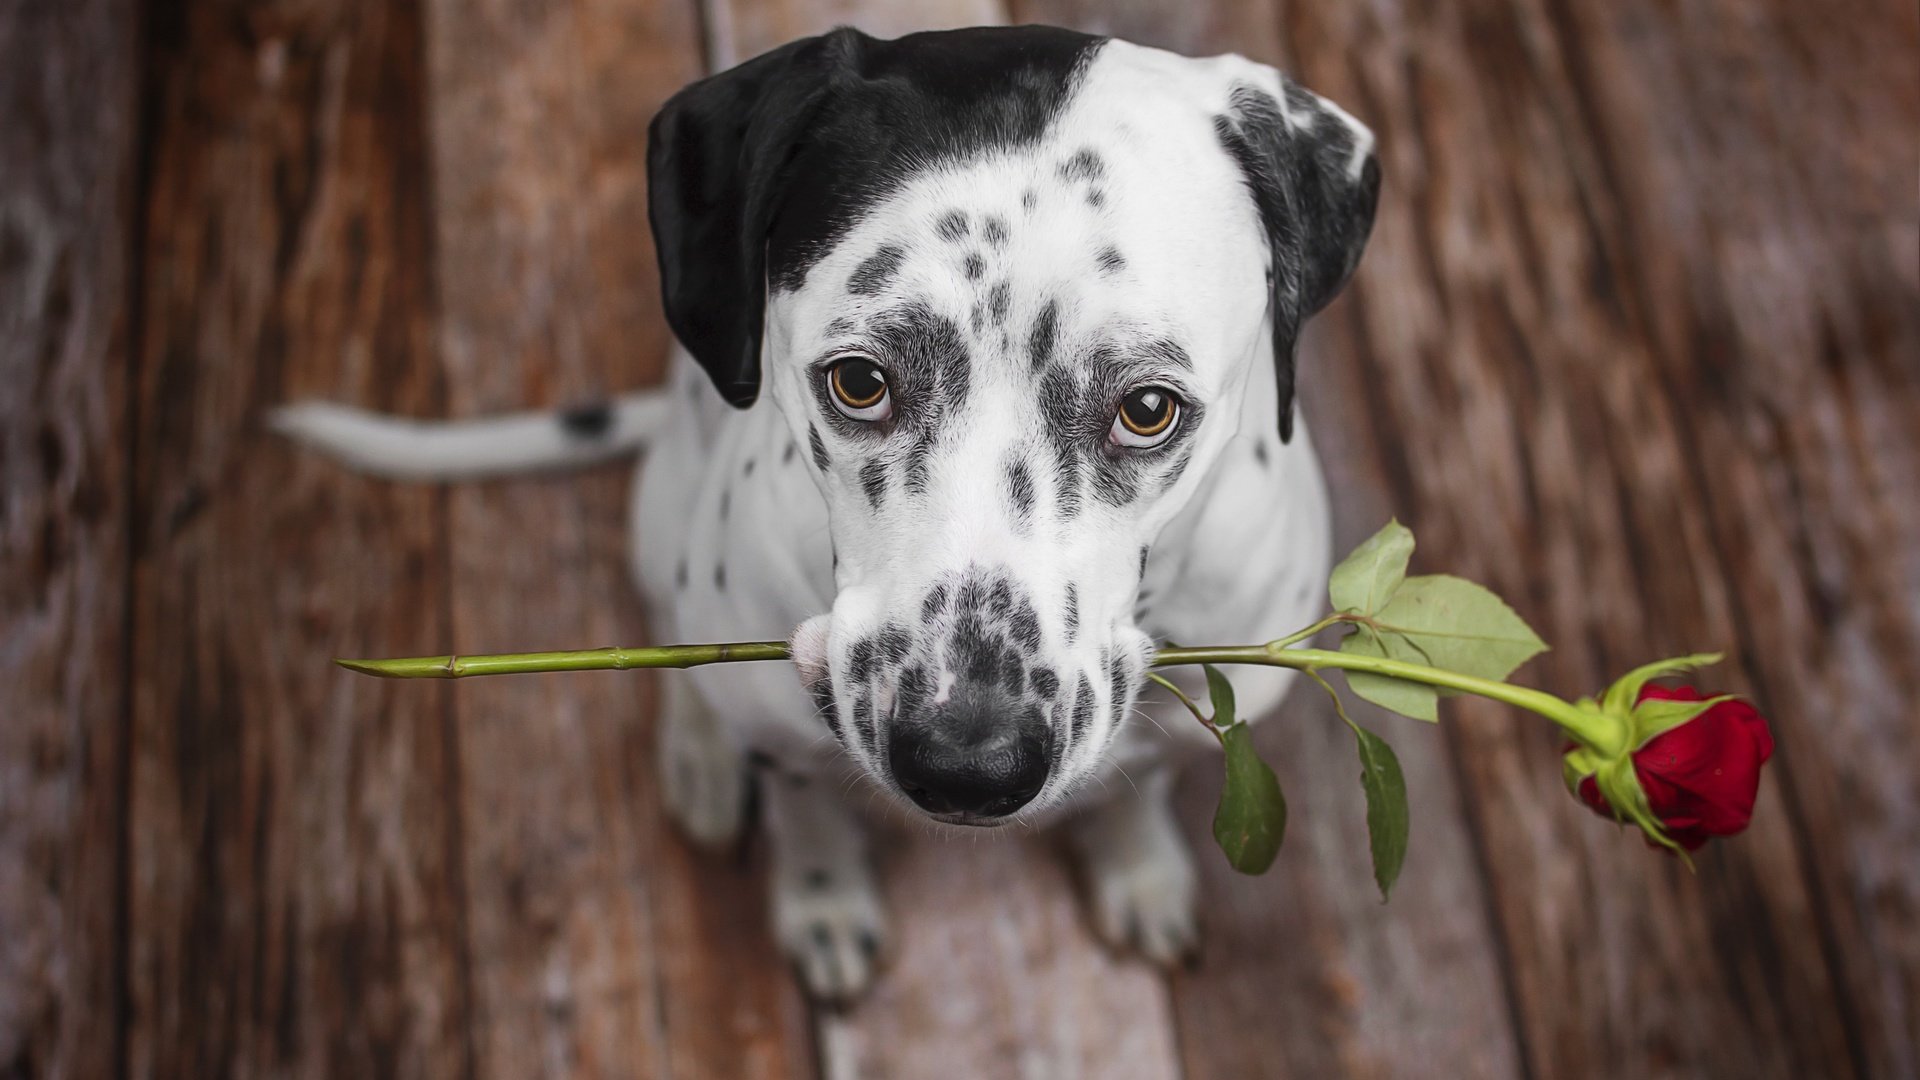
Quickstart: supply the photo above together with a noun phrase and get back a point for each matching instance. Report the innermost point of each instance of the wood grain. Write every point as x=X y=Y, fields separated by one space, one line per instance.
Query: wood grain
x=600 y=946
x=295 y=902
x=1549 y=435
x=996 y=974
x=68 y=155
x=1637 y=343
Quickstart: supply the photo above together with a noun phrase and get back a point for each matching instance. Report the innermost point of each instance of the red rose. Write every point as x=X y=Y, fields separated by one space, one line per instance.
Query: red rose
x=1701 y=777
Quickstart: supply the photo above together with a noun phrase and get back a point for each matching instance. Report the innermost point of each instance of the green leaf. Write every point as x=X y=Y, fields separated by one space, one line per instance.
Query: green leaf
x=1457 y=625
x=1221 y=693
x=1657 y=716
x=1417 y=700
x=1387 y=816
x=1366 y=579
x=1625 y=691
x=1252 y=817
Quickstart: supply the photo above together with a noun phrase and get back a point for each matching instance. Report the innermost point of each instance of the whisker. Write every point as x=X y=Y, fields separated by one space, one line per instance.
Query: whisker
x=1148 y=717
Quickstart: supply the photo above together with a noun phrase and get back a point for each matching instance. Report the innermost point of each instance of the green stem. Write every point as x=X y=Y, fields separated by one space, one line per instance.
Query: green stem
x=1590 y=730
x=609 y=659
x=1587 y=729
x=1185 y=700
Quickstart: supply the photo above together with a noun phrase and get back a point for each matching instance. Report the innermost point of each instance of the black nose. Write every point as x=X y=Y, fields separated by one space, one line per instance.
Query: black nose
x=967 y=761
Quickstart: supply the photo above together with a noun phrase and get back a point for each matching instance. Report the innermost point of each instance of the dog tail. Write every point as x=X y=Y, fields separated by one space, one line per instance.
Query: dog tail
x=405 y=449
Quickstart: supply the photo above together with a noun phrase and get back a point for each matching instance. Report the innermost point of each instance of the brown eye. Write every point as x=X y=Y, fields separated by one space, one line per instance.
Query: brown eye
x=1146 y=417
x=859 y=388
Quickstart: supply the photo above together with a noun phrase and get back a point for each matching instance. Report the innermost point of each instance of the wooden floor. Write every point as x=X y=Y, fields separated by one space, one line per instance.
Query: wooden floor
x=1637 y=342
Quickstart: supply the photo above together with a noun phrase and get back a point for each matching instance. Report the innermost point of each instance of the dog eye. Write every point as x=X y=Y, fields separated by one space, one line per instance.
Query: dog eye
x=1147 y=417
x=859 y=389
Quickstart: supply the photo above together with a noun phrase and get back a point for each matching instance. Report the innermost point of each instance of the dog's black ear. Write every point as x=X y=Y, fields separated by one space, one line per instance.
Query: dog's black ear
x=715 y=156
x=1315 y=181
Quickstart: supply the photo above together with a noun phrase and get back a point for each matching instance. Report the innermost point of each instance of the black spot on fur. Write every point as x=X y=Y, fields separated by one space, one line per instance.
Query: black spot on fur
x=1046 y=328
x=876 y=271
x=1025 y=626
x=680 y=573
x=1028 y=199
x=1143 y=561
x=820 y=458
x=1085 y=164
x=864 y=724
x=822 y=692
x=1116 y=485
x=1111 y=261
x=840 y=327
x=975 y=265
x=1260 y=451
x=873 y=479
x=894 y=643
x=720 y=576
x=913 y=691
x=588 y=421
x=994 y=231
x=1045 y=682
x=860 y=662
x=1096 y=198
x=1073 y=611
x=1067 y=479
x=1061 y=404
x=1020 y=488
x=999 y=301
x=1082 y=709
x=917 y=456
x=1000 y=597
x=747 y=469
x=1119 y=675
x=953 y=226
x=786 y=456
x=935 y=604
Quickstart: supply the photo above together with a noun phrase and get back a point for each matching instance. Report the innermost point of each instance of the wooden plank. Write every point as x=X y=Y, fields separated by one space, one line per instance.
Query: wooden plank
x=996 y=974
x=1785 y=326
x=1043 y=998
x=1304 y=973
x=294 y=895
x=600 y=945
x=1574 y=419
x=67 y=162
x=743 y=29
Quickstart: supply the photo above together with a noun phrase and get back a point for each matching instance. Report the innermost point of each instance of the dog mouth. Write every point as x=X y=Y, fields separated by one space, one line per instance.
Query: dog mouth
x=968 y=821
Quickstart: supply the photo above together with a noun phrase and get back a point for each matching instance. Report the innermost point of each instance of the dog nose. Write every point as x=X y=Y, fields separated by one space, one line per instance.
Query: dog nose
x=973 y=766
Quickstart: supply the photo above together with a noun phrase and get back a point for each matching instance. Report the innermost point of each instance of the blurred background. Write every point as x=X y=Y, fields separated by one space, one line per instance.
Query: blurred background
x=1637 y=343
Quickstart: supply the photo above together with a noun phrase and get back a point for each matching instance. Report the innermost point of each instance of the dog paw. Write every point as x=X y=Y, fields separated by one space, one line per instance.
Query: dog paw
x=831 y=925
x=1145 y=900
x=703 y=778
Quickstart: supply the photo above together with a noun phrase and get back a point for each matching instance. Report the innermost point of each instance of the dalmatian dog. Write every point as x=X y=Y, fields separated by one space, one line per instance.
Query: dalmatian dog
x=987 y=387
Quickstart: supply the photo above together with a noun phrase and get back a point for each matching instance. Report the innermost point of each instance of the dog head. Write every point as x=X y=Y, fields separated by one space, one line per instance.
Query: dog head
x=1009 y=288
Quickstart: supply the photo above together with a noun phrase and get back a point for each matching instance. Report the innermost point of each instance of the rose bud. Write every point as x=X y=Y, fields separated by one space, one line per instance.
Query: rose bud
x=1699 y=777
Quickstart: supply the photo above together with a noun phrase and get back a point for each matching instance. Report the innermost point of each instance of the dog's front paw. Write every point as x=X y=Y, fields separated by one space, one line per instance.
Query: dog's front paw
x=1148 y=905
x=1140 y=879
x=831 y=924
x=703 y=777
